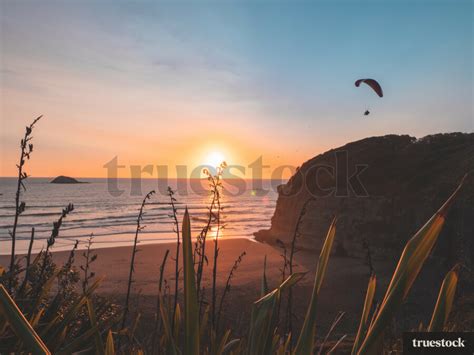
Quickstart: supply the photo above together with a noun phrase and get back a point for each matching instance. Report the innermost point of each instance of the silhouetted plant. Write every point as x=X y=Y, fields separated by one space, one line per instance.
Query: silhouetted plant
x=132 y=261
x=228 y=285
x=28 y=261
x=26 y=148
x=213 y=214
x=89 y=257
x=68 y=275
x=283 y=272
x=46 y=266
x=215 y=183
x=57 y=226
x=174 y=215
x=158 y=299
x=293 y=251
x=335 y=322
x=284 y=256
x=200 y=246
x=368 y=257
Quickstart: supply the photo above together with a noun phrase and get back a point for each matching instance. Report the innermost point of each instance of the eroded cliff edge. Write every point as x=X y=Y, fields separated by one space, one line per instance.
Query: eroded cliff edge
x=382 y=189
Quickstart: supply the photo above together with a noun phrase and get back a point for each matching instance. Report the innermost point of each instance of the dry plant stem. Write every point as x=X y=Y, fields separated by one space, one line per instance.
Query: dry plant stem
x=284 y=256
x=162 y=270
x=52 y=239
x=89 y=259
x=293 y=251
x=228 y=285
x=70 y=259
x=132 y=262
x=369 y=257
x=28 y=261
x=66 y=269
x=178 y=243
x=216 y=255
x=331 y=329
x=216 y=185
x=25 y=151
x=160 y=287
x=30 y=248
x=202 y=246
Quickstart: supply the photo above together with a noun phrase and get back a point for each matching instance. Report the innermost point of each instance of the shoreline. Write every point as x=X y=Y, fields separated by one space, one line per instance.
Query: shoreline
x=22 y=244
x=114 y=263
x=342 y=274
x=343 y=288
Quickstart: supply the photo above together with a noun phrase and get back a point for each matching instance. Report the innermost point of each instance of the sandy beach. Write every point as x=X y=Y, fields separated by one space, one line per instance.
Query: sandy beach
x=343 y=288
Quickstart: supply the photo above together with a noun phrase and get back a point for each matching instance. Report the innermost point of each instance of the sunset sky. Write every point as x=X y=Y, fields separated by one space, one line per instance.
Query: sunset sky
x=184 y=82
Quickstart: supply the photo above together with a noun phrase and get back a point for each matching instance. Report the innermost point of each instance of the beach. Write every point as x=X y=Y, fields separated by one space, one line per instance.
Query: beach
x=343 y=288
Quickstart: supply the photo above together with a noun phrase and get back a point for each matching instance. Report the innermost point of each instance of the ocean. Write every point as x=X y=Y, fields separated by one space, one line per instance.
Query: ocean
x=110 y=216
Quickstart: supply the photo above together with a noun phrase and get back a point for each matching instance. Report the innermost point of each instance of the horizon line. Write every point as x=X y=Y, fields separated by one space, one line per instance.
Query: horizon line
x=140 y=178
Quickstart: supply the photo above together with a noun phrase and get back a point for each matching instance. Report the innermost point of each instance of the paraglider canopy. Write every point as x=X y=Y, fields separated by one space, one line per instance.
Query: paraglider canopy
x=373 y=84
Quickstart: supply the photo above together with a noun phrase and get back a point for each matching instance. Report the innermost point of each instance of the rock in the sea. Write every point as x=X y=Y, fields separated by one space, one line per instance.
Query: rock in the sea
x=383 y=189
x=65 y=180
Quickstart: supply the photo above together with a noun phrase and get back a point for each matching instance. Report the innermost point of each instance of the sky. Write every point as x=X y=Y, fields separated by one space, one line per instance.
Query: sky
x=180 y=83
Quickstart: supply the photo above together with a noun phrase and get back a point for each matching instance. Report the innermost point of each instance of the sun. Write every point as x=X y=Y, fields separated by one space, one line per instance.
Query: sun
x=214 y=159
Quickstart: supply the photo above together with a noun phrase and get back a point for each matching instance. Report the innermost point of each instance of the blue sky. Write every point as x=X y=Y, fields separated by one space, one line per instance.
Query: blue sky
x=276 y=77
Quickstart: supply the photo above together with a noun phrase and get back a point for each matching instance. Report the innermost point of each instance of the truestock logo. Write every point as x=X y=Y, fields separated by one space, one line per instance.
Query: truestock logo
x=438 y=343
x=336 y=176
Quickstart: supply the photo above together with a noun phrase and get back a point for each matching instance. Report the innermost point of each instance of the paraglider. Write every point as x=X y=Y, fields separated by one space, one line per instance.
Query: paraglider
x=374 y=85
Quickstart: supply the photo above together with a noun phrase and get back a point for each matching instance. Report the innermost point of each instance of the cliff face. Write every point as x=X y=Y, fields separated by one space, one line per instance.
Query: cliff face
x=382 y=189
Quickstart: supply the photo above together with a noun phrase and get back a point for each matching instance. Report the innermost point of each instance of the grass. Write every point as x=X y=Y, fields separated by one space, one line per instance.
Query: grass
x=191 y=302
x=445 y=301
x=305 y=344
x=411 y=261
x=40 y=318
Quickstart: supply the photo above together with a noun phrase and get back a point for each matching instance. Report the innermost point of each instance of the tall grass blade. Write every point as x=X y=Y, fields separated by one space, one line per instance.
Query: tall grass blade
x=283 y=349
x=134 y=327
x=263 y=318
x=411 y=261
x=222 y=343
x=331 y=329
x=264 y=288
x=109 y=345
x=99 y=345
x=364 y=319
x=191 y=304
x=230 y=346
x=177 y=321
x=35 y=321
x=52 y=329
x=171 y=347
x=337 y=344
x=43 y=294
x=79 y=343
x=445 y=301
x=20 y=325
x=305 y=343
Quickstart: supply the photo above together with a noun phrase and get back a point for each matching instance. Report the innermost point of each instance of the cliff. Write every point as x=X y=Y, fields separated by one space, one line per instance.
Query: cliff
x=382 y=189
